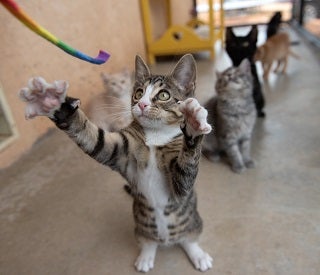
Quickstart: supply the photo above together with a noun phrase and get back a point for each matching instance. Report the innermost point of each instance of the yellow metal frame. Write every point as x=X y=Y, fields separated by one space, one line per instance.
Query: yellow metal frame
x=179 y=39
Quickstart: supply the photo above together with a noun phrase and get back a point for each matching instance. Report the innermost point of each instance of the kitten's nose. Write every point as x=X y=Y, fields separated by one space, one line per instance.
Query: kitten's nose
x=142 y=105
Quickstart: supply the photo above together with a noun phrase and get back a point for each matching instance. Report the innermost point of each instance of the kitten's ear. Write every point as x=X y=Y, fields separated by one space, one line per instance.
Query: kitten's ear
x=184 y=74
x=276 y=17
x=253 y=34
x=245 y=66
x=142 y=70
x=125 y=72
x=105 y=77
x=229 y=33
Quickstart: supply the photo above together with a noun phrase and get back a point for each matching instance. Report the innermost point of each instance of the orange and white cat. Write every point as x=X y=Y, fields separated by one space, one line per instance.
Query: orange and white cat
x=276 y=48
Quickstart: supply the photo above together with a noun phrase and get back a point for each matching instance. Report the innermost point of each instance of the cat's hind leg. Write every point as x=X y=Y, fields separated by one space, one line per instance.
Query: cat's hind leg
x=245 y=150
x=276 y=70
x=201 y=260
x=266 y=70
x=145 y=260
x=285 y=63
x=235 y=158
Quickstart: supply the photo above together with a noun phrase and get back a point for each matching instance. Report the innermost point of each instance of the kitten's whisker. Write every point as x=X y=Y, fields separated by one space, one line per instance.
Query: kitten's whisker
x=119 y=118
x=113 y=105
x=120 y=115
x=112 y=108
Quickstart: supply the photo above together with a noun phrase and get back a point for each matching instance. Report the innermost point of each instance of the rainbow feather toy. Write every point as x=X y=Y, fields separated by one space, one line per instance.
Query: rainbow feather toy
x=13 y=8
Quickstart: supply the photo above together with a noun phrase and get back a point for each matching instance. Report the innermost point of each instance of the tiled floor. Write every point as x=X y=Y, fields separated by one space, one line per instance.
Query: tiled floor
x=62 y=213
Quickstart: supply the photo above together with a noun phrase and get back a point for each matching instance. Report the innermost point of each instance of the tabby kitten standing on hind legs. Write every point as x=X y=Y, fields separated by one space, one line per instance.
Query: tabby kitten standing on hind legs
x=239 y=48
x=158 y=153
x=232 y=114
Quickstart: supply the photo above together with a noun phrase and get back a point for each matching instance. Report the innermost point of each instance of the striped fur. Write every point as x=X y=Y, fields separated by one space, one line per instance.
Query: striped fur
x=158 y=159
x=164 y=210
x=233 y=114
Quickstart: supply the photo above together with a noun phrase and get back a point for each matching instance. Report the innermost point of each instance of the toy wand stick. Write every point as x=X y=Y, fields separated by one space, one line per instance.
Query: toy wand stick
x=16 y=11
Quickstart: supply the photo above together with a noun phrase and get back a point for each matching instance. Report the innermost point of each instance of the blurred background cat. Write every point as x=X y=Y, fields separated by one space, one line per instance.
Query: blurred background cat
x=273 y=25
x=276 y=48
x=111 y=109
x=232 y=114
x=239 y=48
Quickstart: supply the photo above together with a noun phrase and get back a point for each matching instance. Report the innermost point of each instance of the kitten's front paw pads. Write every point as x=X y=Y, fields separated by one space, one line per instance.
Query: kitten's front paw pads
x=202 y=262
x=43 y=98
x=144 y=263
x=195 y=117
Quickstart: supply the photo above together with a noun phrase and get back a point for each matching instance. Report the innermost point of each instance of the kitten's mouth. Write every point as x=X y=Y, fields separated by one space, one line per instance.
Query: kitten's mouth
x=143 y=114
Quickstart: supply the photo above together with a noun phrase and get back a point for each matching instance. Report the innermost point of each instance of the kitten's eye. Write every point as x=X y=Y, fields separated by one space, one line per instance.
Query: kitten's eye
x=163 y=95
x=138 y=94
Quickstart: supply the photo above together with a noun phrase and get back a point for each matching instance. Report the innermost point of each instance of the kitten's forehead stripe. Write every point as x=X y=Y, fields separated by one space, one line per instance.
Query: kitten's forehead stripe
x=156 y=79
x=153 y=85
x=149 y=90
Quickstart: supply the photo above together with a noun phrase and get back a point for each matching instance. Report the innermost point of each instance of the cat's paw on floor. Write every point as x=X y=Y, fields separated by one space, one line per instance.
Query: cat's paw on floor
x=250 y=163
x=144 y=263
x=43 y=98
x=201 y=260
x=195 y=117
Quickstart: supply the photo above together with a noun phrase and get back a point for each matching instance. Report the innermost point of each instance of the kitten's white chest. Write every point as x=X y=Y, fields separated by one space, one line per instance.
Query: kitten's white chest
x=156 y=137
x=153 y=186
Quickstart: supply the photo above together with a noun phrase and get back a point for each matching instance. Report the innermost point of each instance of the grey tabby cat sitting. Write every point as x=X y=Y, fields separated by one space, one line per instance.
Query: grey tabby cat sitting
x=232 y=114
x=158 y=153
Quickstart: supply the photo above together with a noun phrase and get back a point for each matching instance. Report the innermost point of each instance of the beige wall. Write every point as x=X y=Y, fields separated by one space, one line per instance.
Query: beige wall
x=180 y=14
x=111 y=25
x=86 y=25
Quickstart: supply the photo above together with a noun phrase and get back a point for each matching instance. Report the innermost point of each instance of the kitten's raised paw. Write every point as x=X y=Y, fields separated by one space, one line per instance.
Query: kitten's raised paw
x=195 y=117
x=43 y=98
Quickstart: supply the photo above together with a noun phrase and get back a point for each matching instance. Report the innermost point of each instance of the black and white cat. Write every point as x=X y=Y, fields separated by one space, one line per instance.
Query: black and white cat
x=240 y=48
